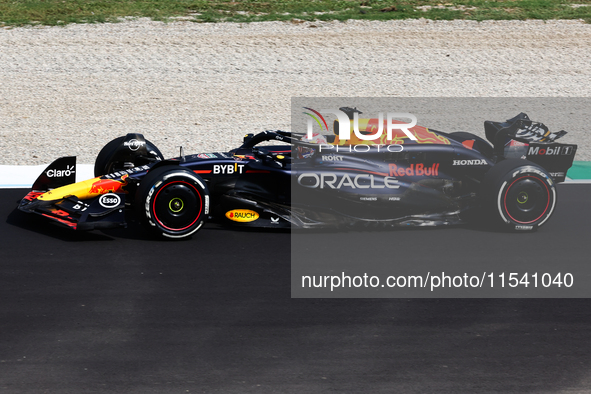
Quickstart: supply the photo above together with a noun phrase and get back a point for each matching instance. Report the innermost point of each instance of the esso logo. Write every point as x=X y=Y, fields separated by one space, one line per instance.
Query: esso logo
x=109 y=200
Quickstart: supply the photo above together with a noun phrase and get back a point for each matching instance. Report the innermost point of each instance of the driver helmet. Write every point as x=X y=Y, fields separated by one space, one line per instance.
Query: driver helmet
x=305 y=152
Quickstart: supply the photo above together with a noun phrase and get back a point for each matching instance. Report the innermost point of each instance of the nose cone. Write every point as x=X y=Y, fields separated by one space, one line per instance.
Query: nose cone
x=82 y=190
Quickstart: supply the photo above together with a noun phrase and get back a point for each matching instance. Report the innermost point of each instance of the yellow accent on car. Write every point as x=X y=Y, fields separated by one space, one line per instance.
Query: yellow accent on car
x=79 y=189
x=87 y=189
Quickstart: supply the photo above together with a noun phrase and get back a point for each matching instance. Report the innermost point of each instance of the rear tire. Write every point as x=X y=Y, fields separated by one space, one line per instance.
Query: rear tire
x=172 y=202
x=518 y=195
x=104 y=163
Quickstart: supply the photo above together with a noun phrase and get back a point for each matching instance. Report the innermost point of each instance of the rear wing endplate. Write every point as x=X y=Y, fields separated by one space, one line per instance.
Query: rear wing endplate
x=553 y=157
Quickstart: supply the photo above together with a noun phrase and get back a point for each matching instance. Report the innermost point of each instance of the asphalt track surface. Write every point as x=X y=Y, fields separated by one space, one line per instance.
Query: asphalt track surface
x=114 y=312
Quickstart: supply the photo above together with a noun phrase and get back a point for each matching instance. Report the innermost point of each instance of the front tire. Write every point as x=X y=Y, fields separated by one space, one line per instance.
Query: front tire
x=172 y=202
x=518 y=195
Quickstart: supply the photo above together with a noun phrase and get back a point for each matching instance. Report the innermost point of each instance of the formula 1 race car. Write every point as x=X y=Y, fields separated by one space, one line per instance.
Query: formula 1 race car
x=437 y=179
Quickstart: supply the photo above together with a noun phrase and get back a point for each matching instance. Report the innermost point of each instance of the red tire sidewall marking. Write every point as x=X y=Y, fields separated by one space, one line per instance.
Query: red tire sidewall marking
x=156 y=197
x=509 y=188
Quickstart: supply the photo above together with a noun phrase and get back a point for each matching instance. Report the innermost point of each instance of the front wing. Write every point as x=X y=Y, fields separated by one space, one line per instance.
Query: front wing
x=101 y=212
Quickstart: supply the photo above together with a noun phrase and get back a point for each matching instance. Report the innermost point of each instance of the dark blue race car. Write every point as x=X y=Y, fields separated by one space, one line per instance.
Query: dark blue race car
x=438 y=179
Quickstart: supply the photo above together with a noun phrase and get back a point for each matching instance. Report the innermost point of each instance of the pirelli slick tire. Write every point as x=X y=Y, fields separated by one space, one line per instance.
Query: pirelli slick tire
x=104 y=163
x=518 y=195
x=172 y=202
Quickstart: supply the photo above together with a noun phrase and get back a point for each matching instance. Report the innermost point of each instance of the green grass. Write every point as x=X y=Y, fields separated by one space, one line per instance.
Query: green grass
x=61 y=12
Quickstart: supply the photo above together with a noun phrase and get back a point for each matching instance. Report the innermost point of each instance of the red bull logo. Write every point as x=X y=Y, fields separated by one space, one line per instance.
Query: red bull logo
x=418 y=169
x=103 y=186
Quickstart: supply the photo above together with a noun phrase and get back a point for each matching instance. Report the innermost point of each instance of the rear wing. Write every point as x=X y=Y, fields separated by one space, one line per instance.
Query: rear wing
x=519 y=128
x=522 y=138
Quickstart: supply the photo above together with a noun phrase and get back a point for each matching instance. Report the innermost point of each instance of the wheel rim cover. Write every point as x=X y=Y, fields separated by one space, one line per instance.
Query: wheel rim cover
x=177 y=206
x=527 y=199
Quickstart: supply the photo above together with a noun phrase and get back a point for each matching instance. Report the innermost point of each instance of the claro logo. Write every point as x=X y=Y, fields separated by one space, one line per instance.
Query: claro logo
x=242 y=215
x=53 y=173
